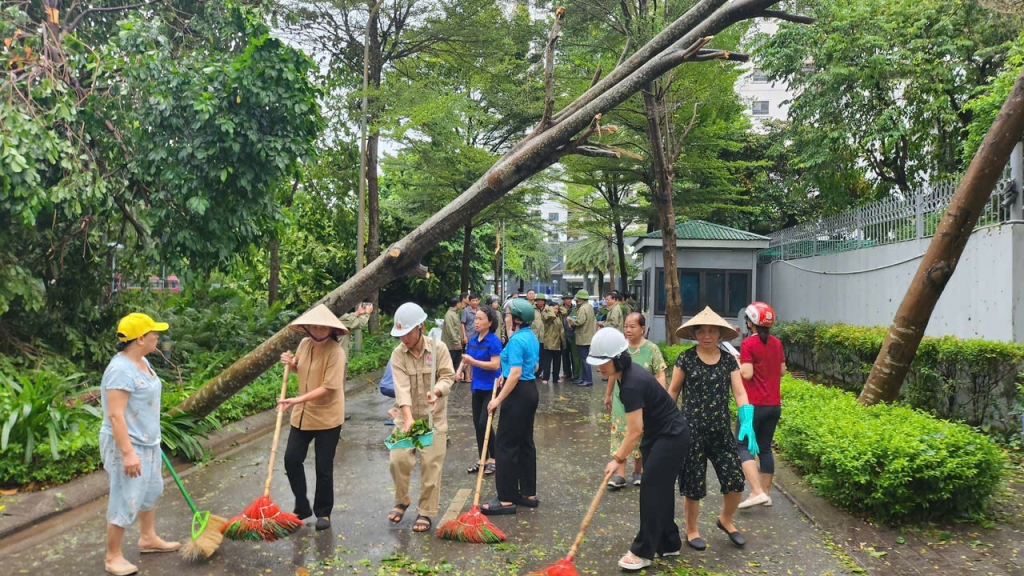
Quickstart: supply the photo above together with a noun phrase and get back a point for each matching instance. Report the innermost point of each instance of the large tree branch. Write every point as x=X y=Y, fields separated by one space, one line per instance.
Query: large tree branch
x=549 y=67
x=788 y=17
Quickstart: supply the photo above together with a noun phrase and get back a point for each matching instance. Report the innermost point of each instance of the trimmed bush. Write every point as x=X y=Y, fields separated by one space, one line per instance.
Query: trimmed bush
x=673 y=352
x=974 y=381
x=888 y=461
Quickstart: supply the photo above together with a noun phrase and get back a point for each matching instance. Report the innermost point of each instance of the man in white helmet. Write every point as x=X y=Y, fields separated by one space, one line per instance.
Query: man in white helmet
x=413 y=365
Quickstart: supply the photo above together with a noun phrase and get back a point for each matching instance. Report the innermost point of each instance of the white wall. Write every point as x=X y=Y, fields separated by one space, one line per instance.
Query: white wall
x=777 y=94
x=978 y=302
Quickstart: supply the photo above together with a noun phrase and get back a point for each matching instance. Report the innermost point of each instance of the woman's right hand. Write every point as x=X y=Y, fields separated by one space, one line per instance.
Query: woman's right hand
x=608 y=403
x=288 y=359
x=132 y=464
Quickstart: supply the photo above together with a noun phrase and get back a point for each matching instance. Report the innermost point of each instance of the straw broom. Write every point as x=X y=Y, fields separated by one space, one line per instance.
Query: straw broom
x=473 y=526
x=206 y=536
x=262 y=519
x=565 y=567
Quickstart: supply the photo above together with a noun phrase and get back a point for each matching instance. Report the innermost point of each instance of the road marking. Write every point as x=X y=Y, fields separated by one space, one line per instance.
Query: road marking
x=456 y=507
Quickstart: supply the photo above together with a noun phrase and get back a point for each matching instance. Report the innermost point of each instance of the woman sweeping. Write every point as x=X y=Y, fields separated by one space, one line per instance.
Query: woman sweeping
x=318 y=412
x=516 y=474
x=705 y=374
x=416 y=361
x=483 y=352
x=646 y=355
x=651 y=414
x=130 y=441
x=762 y=364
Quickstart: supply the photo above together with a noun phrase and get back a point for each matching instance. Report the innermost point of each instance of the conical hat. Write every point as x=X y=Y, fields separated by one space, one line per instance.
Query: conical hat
x=707 y=317
x=318 y=316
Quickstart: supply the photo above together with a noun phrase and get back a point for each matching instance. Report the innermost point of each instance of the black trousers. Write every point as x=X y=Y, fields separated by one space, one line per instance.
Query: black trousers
x=295 y=456
x=766 y=418
x=552 y=365
x=456 y=358
x=516 y=454
x=543 y=371
x=569 y=362
x=658 y=531
x=480 y=401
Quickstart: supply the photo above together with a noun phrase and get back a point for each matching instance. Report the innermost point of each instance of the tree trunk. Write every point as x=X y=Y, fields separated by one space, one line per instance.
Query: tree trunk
x=372 y=158
x=543 y=148
x=599 y=286
x=275 y=272
x=467 y=255
x=662 y=195
x=944 y=251
x=621 y=244
x=611 y=266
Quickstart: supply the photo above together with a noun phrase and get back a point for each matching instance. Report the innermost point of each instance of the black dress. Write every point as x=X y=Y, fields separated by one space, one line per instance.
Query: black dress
x=664 y=446
x=706 y=389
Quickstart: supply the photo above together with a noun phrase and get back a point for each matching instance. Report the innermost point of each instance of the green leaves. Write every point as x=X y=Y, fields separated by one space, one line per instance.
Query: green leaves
x=885 y=84
x=888 y=461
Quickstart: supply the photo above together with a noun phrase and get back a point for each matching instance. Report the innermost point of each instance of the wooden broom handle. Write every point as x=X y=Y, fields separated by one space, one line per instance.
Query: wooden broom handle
x=483 y=451
x=588 y=518
x=277 y=434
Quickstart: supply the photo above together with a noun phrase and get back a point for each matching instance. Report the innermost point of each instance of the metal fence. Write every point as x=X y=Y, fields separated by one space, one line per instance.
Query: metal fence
x=895 y=219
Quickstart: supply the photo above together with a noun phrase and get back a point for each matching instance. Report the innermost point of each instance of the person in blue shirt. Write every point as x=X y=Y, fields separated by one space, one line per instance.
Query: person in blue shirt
x=130 y=440
x=516 y=454
x=483 y=353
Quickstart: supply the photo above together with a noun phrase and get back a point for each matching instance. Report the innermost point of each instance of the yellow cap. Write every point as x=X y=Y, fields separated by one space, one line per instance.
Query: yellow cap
x=135 y=325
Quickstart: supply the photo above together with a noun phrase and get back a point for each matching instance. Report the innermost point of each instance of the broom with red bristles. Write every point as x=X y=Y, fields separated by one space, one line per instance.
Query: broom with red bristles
x=264 y=520
x=473 y=526
x=565 y=567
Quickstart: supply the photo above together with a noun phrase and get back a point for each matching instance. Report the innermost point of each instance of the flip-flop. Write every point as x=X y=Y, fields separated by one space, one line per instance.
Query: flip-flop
x=123 y=568
x=489 y=469
x=165 y=547
x=474 y=469
x=430 y=524
x=529 y=502
x=403 y=508
x=495 y=508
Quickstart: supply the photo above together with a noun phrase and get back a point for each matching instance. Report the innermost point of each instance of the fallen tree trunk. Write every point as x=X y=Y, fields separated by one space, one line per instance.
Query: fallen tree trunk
x=944 y=251
x=545 y=146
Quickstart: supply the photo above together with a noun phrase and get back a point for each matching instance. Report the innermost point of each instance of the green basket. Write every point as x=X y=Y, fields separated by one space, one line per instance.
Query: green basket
x=425 y=439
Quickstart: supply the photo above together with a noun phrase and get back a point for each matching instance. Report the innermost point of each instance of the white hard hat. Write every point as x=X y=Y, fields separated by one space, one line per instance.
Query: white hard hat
x=608 y=344
x=407 y=317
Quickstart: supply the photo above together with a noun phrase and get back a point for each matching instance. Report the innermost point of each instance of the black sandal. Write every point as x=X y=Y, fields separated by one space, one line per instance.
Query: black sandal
x=473 y=470
x=489 y=469
x=496 y=508
x=531 y=502
x=399 y=511
x=420 y=521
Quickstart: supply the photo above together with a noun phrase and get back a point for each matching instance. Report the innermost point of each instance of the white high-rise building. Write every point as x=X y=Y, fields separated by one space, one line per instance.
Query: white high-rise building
x=764 y=100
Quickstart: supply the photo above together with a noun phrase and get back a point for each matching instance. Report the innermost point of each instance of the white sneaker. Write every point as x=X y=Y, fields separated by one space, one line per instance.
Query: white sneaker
x=758 y=500
x=640 y=563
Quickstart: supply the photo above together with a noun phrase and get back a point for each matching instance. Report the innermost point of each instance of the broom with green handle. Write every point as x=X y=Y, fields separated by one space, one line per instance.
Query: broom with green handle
x=206 y=536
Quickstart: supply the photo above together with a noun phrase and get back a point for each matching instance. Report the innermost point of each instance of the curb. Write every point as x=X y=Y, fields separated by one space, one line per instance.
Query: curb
x=38 y=507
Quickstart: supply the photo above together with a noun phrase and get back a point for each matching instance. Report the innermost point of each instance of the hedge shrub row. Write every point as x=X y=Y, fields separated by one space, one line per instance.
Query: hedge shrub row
x=974 y=381
x=889 y=461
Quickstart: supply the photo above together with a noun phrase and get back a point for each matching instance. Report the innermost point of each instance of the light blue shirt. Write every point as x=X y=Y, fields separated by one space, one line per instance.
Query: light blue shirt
x=522 y=350
x=142 y=414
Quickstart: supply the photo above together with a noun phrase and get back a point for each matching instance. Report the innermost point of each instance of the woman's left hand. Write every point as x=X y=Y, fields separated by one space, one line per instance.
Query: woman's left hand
x=611 y=468
x=285 y=403
x=493 y=405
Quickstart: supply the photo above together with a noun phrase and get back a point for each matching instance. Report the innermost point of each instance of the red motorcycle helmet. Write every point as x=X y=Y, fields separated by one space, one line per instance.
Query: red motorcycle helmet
x=761 y=314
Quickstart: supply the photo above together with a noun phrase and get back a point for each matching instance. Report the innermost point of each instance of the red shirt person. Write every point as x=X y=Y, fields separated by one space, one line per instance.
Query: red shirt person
x=762 y=363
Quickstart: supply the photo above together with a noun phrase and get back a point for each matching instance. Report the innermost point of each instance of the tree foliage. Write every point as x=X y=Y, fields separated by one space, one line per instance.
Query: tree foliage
x=162 y=129
x=886 y=84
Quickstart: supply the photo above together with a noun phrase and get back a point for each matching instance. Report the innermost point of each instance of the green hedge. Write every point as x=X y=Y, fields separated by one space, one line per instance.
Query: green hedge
x=888 y=461
x=974 y=381
x=673 y=352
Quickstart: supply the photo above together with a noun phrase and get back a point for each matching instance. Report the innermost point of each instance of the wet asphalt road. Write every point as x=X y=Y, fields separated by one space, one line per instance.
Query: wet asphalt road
x=573 y=447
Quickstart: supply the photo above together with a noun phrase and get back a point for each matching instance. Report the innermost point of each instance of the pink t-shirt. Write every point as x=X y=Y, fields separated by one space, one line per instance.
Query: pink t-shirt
x=767 y=359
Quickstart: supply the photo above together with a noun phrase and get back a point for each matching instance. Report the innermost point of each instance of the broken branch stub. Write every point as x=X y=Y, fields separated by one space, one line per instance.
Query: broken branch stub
x=536 y=153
